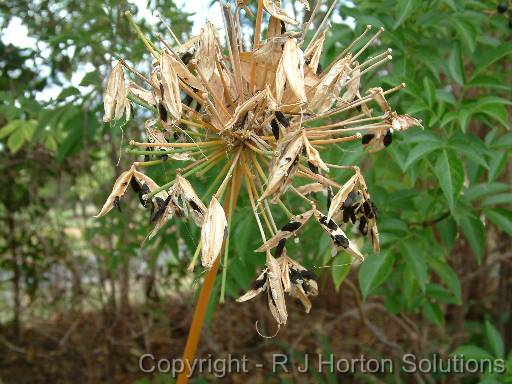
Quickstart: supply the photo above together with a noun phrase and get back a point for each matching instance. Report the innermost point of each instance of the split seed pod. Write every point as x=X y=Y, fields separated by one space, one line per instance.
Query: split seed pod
x=213 y=232
x=118 y=191
x=115 y=97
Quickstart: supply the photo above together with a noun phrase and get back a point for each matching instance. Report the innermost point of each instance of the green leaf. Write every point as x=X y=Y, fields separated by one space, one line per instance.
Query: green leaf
x=474 y=232
x=340 y=268
x=497 y=111
x=456 y=65
x=420 y=150
x=448 y=276
x=415 y=260
x=91 y=78
x=494 y=339
x=433 y=313
x=472 y=352
x=16 y=140
x=374 y=271
x=490 y=57
x=450 y=173
x=502 y=218
x=10 y=127
x=430 y=90
x=405 y=8
x=484 y=189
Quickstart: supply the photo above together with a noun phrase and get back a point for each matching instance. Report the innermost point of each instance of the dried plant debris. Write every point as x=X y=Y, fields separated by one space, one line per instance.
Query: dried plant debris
x=258 y=118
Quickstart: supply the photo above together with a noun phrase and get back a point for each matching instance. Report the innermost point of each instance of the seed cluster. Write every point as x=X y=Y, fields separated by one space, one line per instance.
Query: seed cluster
x=257 y=115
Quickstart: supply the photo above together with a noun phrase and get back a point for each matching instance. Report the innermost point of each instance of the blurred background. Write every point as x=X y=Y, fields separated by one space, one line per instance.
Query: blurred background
x=81 y=300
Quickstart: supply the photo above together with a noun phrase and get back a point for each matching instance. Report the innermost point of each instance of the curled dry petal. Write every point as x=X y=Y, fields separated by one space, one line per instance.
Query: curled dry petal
x=170 y=85
x=311 y=188
x=118 y=191
x=274 y=9
x=212 y=233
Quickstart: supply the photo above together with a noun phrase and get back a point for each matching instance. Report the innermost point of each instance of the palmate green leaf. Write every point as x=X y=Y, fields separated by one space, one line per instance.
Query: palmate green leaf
x=456 y=65
x=470 y=146
x=498 y=199
x=485 y=189
x=502 y=218
x=420 y=150
x=433 y=313
x=10 y=127
x=448 y=276
x=472 y=352
x=340 y=268
x=450 y=173
x=467 y=33
x=374 y=271
x=415 y=260
x=430 y=90
x=404 y=8
x=495 y=340
x=492 y=56
x=16 y=140
x=474 y=232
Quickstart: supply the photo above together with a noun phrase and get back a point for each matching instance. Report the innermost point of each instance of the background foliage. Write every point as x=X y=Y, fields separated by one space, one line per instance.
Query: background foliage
x=443 y=278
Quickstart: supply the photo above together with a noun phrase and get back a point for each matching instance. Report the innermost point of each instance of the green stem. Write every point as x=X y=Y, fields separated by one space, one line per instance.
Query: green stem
x=149 y=45
x=226 y=246
x=193 y=262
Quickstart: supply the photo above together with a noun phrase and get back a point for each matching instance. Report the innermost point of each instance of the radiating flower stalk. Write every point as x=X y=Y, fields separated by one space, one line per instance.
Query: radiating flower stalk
x=258 y=118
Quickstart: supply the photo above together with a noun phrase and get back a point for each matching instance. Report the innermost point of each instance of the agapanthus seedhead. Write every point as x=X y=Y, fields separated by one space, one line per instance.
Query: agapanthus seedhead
x=259 y=119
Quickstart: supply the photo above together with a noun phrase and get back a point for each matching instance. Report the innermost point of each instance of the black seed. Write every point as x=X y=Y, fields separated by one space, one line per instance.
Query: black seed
x=291 y=226
x=259 y=283
x=374 y=208
x=362 y=226
x=162 y=206
x=341 y=240
x=306 y=288
x=198 y=107
x=283 y=27
x=280 y=248
x=143 y=191
x=146 y=158
x=319 y=69
x=502 y=7
x=188 y=100
x=331 y=224
x=367 y=208
x=367 y=138
x=186 y=57
x=388 y=138
x=295 y=275
x=135 y=185
x=162 y=112
x=308 y=275
x=275 y=128
x=312 y=167
x=350 y=199
x=282 y=119
x=329 y=196
x=195 y=207
x=164 y=157
x=288 y=158
x=117 y=203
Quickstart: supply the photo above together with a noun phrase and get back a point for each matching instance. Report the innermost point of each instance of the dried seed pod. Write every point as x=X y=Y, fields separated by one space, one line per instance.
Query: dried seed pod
x=311 y=188
x=284 y=168
x=314 y=52
x=403 y=122
x=313 y=155
x=290 y=70
x=342 y=194
x=287 y=231
x=339 y=238
x=120 y=186
x=258 y=286
x=274 y=9
x=115 y=97
x=378 y=95
x=194 y=205
x=212 y=233
x=170 y=87
x=141 y=93
x=207 y=51
x=275 y=291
